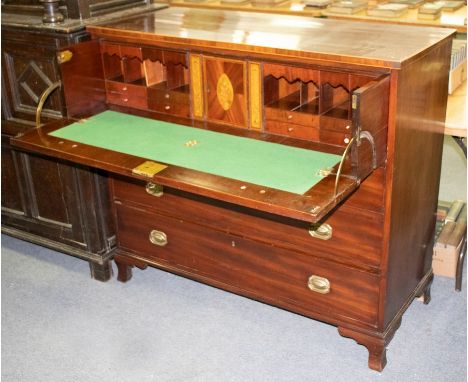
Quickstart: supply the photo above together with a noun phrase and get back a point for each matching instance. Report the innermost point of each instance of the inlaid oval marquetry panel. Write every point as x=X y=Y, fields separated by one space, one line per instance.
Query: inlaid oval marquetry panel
x=225 y=91
x=225 y=86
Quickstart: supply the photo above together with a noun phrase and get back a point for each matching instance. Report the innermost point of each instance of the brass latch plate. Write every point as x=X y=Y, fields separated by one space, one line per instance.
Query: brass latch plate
x=148 y=168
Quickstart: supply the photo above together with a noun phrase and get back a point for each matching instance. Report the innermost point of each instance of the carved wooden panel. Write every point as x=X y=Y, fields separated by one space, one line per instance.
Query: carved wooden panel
x=27 y=77
x=45 y=182
x=12 y=189
x=225 y=92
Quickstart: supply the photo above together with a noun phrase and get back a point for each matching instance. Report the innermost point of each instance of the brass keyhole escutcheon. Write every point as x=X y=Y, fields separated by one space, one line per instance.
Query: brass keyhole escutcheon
x=154 y=189
x=321 y=231
x=319 y=284
x=158 y=238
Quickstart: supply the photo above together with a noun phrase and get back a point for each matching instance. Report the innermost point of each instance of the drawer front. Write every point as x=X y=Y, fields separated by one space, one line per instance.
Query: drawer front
x=169 y=102
x=126 y=89
x=335 y=124
x=292 y=117
x=265 y=272
x=126 y=100
x=126 y=94
x=292 y=130
x=356 y=233
x=335 y=138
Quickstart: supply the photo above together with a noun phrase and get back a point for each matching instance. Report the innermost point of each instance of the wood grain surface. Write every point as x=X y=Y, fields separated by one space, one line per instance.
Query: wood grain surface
x=289 y=37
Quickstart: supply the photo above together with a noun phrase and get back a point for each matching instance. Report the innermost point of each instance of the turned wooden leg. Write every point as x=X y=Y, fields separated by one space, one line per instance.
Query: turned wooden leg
x=101 y=272
x=376 y=343
x=125 y=265
x=427 y=290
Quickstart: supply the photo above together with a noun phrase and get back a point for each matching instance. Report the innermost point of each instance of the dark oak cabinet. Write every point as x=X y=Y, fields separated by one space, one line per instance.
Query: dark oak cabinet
x=45 y=201
x=49 y=202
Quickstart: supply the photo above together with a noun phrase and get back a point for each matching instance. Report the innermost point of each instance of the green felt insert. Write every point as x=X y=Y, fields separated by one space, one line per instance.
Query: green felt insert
x=249 y=160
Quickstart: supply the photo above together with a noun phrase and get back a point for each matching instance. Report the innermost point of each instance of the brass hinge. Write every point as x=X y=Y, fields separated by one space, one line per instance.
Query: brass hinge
x=354 y=101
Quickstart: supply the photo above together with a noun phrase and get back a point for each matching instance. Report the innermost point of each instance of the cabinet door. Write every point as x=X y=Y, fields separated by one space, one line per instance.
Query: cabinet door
x=50 y=199
x=83 y=80
x=370 y=120
x=55 y=201
x=226 y=95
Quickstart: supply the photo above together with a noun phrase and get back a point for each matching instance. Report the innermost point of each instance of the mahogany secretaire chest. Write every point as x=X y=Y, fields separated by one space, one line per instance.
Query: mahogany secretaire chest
x=292 y=160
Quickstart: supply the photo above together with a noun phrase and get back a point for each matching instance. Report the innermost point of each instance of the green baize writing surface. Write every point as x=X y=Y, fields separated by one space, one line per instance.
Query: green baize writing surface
x=249 y=160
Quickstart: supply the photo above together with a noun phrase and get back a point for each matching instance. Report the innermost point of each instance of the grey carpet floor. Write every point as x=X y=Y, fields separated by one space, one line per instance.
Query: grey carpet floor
x=59 y=325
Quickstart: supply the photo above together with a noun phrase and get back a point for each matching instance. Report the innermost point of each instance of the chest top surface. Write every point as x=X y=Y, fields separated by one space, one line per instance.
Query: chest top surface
x=382 y=45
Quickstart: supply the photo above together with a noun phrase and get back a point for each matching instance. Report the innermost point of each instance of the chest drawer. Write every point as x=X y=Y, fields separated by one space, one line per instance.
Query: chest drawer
x=263 y=271
x=356 y=233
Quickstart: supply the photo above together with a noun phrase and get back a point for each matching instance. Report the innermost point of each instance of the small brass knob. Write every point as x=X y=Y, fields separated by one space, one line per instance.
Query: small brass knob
x=167 y=107
x=158 y=238
x=319 y=284
x=290 y=129
x=124 y=88
x=290 y=116
x=167 y=95
x=64 y=56
x=154 y=189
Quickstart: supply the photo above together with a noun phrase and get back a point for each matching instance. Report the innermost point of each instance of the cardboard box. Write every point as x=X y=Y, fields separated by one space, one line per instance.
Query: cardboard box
x=448 y=244
x=457 y=76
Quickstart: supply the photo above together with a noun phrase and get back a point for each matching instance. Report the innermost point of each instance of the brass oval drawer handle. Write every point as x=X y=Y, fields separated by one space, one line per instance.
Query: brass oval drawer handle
x=158 y=238
x=321 y=231
x=154 y=189
x=319 y=284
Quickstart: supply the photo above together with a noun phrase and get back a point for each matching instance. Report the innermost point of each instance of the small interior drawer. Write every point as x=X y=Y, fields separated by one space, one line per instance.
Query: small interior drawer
x=292 y=130
x=335 y=124
x=127 y=89
x=124 y=94
x=295 y=117
x=169 y=101
x=335 y=138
